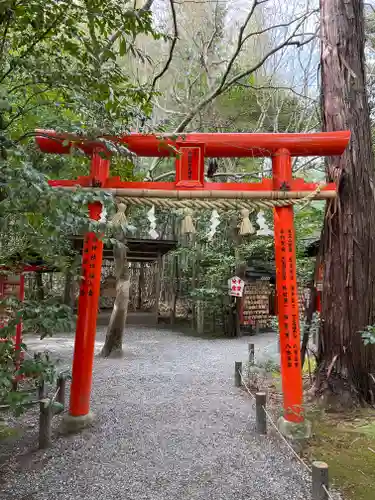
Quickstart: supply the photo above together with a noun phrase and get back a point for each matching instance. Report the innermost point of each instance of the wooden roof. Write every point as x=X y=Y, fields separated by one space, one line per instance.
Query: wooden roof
x=32 y=262
x=140 y=250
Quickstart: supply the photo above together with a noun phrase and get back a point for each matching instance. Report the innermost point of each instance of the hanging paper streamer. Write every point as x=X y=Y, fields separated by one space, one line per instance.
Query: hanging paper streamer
x=152 y=219
x=263 y=230
x=215 y=221
x=187 y=226
x=103 y=215
x=246 y=226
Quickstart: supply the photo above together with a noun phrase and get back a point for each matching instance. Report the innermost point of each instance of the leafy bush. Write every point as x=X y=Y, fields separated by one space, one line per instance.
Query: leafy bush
x=368 y=335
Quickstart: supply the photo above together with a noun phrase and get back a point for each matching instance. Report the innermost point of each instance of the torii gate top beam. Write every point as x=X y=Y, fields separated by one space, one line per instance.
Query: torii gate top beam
x=223 y=145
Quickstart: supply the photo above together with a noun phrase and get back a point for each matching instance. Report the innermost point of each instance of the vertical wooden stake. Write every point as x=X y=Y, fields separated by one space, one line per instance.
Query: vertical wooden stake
x=251 y=354
x=238 y=373
x=61 y=386
x=261 y=418
x=319 y=481
x=238 y=316
x=45 y=423
x=256 y=327
x=41 y=389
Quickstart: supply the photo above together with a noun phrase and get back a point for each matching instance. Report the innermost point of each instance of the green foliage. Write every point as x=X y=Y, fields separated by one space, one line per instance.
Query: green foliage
x=205 y=293
x=39 y=317
x=68 y=56
x=368 y=335
x=64 y=66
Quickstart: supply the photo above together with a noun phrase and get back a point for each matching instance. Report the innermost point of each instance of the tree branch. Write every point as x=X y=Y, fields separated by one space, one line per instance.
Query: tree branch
x=29 y=49
x=169 y=111
x=147 y=6
x=303 y=16
x=171 y=50
x=288 y=43
x=240 y=42
x=91 y=26
x=22 y=109
x=273 y=87
x=222 y=87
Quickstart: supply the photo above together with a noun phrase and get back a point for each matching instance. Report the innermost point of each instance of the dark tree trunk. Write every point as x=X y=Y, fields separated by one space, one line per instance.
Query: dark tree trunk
x=175 y=275
x=68 y=287
x=39 y=285
x=345 y=364
x=115 y=332
x=141 y=285
x=310 y=309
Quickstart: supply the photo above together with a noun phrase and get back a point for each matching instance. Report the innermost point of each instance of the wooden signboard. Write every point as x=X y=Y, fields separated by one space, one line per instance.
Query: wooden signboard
x=236 y=286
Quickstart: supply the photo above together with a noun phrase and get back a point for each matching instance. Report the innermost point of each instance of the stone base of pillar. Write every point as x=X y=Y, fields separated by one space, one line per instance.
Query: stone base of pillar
x=294 y=430
x=71 y=424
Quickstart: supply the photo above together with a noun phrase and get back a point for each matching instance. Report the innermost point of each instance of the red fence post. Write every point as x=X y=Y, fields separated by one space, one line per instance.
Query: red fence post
x=285 y=256
x=84 y=347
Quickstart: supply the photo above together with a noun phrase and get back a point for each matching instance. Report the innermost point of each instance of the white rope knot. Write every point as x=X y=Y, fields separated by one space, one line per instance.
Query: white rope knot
x=245 y=226
x=187 y=226
x=120 y=219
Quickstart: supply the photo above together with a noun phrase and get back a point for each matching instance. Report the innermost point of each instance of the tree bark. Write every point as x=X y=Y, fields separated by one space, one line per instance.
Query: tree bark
x=175 y=276
x=141 y=284
x=310 y=309
x=39 y=285
x=115 y=332
x=344 y=363
x=159 y=270
x=68 y=285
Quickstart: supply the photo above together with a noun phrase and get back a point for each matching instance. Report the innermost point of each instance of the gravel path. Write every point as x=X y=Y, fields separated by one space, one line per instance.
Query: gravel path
x=170 y=425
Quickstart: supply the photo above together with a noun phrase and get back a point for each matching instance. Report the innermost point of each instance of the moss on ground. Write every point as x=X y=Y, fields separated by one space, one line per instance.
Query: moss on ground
x=347 y=443
x=7 y=432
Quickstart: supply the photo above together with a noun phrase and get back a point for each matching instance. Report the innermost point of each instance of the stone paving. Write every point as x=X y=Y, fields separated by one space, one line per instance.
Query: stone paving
x=169 y=425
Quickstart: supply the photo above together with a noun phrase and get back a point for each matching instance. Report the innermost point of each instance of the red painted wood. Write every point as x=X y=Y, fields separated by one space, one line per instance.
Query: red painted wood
x=84 y=346
x=190 y=166
x=264 y=185
x=216 y=145
x=20 y=294
x=287 y=294
x=99 y=171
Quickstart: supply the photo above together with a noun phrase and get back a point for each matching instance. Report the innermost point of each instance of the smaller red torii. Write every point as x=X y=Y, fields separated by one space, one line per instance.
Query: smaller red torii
x=190 y=151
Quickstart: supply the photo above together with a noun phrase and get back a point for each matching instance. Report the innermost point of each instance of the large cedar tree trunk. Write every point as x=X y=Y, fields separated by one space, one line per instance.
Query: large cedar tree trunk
x=345 y=364
x=115 y=332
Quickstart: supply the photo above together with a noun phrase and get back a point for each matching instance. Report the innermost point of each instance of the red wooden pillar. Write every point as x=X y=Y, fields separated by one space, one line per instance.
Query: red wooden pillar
x=285 y=256
x=84 y=346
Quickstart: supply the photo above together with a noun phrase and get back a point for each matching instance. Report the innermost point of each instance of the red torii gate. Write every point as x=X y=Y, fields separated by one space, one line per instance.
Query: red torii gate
x=190 y=151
